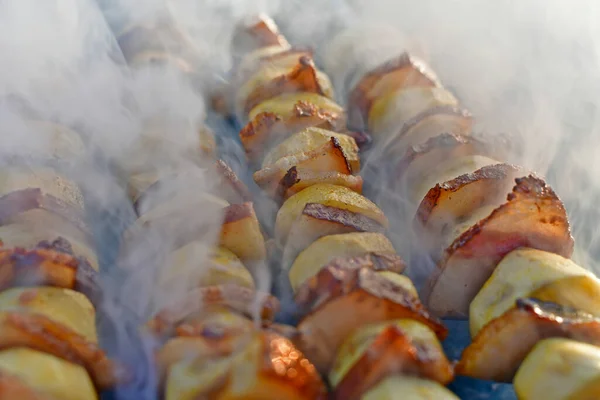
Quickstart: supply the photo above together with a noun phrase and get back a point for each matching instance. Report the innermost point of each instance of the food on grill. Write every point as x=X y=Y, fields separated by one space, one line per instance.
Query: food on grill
x=411 y=389
x=560 y=369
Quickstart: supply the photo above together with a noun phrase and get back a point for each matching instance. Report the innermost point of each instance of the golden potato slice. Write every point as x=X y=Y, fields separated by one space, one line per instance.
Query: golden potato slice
x=580 y=292
x=241 y=233
x=501 y=346
x=325 y=249
x=52 y=376
x=312 y=138
x=302 y=104
x=533 y=216
x=520 y=274
x=278 y=60
x=327 y=158
x=328 y=195
x=259 y=370
x=374 y=352
x=448 y=203
x=325 y=298
x=318 y=220
x=411 y=389
x=389 y=112
x=398 y=73
x=559 y=369
x=296 y=180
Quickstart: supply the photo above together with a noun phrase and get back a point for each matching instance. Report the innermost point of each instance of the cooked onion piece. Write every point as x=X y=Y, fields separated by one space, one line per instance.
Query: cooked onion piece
x=426 y=125
x=312 y=138
x=267 y=367
x=411 y=389
x=394 y=109
x=533 y=216
x=274 y=120
x=327 y=158
x=318 y=220
x=48 y=375
x=559 y=369
x=371 y=296
x=501 y=346
x=450 y=203
x=328 y=195
x=67 y=307
x=373 y=352
x=399 y=73
x=323 y=250
x=521 y=273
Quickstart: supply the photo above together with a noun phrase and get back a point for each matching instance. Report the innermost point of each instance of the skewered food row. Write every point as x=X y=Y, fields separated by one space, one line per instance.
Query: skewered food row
x=213 y=341
x=361 y=321
x=48 y=275
x=499 y=236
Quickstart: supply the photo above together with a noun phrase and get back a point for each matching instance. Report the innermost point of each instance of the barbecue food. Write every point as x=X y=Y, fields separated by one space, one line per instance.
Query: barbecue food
x=411 y=389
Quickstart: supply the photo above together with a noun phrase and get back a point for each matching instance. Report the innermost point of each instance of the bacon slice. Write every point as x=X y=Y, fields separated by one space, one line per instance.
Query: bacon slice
x=49 y=264
x=393 y=351
x=21 y=329
x=201 y=301
x=533 y=216
x=326 y=297
x=267 y=129
x=447 y=203
x=501 y=346
x=269 y=367
x=400 y=72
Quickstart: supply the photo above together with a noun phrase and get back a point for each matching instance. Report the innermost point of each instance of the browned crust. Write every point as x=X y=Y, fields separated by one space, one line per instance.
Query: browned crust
x=303 y=78
x=359 y=99
x=261 y=33
x=431 y=200
x=447 y=110
x=357 y=221
x=49 y=264
x=267 y=129
x=11 y=387
x=243 y=76
x=543 y=320
x=531 y=200
x=340 y=278
x=236 y=212
x=392 y=353
x=40 y=333
x=239 y=299
x=23 y=200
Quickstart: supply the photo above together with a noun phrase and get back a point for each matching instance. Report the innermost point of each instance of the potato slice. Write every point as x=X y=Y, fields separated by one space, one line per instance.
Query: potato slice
x=290 y=113
x=254 y=33
x=450 y=202
x=242 y=235
x=325 y=249
x=296 y=180
x=559 y=369
x=327 y=158
x=325 y=298
x=328 y=195
x=312 y=138
x=411 y=389
x=279 y=60
x=398 y=73
x=581 y=292
x=373 y=352
x=260 y=370
x=501 y=346
x=52 y=376
x=255 y=58
x=38 y=332
x=49 y=264
x=318 y=220
x=533 y=216
x=426 y=125
x=520 y=274
x=388 y=113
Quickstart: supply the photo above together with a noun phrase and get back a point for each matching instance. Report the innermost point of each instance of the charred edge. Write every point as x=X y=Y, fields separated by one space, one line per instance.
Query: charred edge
x=302 y=78
x=236 y=212
x=23 y=200
x=229 y=176
x=328 y=120
x=262 y=122
x=337 y=145
x=439 y=110
x=273 y=58
x=489 y=172
x=335 y=281
x=554 y=312
x=287 y=182
x=348 y=218
x=265 y=33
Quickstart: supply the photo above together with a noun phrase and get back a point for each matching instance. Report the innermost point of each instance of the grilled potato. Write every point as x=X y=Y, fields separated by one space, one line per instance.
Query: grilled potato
x=296 y=180
x=47 y=374
x=410 y=388
x=284 y=106
x=241 y=233
x=323 y=250
x=559 y=369
x=581 y=292
x=392 y=110
x=373 y=352
x=328 y=195
x=254 y=33
x=533 y=216
x=521 y=273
